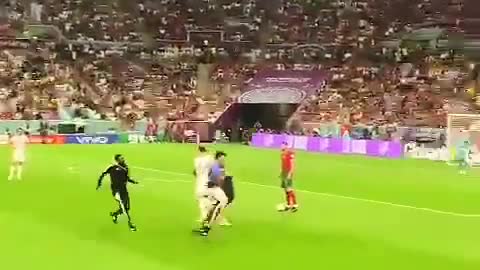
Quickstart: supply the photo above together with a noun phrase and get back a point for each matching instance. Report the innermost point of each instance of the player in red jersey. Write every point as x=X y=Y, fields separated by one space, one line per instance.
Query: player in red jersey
x=286 y=176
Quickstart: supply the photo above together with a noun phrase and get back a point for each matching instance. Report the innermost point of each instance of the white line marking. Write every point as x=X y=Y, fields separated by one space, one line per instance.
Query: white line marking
x=317 y=193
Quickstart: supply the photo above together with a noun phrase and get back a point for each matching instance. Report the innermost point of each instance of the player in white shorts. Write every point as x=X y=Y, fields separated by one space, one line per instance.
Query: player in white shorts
x=202 y=164
x=19 y=143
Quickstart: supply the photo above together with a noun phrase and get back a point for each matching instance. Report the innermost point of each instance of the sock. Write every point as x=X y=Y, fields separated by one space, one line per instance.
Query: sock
x=125 y=210
x=287 y=197
x=19 y=172
x=203 y=205
x=12 y=172
x=217 y=213
x=213 y=214
x=291 y=198
x=128 y=216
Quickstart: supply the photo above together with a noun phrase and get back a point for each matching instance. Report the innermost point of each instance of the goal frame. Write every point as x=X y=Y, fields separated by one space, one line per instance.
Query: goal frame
x=450 y=136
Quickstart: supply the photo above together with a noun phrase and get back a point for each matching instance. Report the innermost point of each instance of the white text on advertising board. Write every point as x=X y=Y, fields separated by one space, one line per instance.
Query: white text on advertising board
x=92 y=140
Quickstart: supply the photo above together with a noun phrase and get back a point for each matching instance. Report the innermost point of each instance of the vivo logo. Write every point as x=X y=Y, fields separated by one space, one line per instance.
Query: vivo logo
x=92 y=140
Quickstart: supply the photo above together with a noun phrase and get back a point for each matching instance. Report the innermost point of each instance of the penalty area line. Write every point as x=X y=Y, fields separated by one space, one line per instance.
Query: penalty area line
x=323 y=194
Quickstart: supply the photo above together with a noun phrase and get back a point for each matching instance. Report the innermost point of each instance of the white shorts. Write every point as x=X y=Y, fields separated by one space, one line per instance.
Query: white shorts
x=201 y=188
x=201 y=192
x=217 y=194
x=18 y=156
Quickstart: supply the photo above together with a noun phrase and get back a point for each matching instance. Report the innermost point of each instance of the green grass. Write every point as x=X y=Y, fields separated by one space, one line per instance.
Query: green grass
x=54 y=218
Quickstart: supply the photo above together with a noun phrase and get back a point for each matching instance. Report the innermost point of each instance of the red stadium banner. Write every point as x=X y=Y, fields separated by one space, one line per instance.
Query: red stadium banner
x=52 y=139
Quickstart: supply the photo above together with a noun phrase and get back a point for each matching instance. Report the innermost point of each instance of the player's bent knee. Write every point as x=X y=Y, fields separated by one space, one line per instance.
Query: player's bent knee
x=223 y=202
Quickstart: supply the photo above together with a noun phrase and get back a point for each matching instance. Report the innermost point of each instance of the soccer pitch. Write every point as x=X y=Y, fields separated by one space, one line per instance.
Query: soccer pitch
x=355 y=213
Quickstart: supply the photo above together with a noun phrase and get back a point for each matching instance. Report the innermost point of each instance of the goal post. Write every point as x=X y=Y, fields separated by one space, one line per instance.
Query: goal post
x=462 y=128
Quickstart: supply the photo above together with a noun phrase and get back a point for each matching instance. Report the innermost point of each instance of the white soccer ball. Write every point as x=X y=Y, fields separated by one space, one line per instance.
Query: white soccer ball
x=281 y=207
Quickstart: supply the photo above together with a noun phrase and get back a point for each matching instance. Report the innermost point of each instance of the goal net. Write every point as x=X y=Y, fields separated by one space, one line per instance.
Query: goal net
x=462 y=128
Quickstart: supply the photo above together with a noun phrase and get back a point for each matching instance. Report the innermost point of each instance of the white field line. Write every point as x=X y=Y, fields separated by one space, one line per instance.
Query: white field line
x=424 y=209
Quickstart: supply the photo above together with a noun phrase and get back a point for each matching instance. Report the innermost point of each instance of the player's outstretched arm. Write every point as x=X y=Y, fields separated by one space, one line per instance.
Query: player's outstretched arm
x=221 y=178
x=130 y=180
x=100 y=179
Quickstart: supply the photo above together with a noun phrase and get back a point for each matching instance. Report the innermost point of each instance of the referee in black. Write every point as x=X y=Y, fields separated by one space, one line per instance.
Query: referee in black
x=119 y=178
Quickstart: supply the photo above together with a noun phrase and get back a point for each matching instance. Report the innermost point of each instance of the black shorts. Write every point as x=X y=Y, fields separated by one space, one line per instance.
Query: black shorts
x=122 y=197
x=228 y=188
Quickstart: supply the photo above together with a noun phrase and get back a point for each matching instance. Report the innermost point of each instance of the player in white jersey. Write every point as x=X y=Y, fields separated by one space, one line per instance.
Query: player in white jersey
x=202 y=163
x=19 y=143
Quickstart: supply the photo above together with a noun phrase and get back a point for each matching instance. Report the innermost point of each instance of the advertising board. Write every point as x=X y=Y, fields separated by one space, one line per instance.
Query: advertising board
x=94 y=139
x=51 y=139
x=132 y=138
x=373 y=148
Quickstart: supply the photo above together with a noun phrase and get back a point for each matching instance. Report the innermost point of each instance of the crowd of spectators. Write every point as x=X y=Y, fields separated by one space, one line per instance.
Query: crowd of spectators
x=136 y=59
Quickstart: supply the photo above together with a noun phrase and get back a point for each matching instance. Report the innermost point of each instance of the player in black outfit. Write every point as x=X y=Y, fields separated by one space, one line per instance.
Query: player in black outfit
x=119 y=177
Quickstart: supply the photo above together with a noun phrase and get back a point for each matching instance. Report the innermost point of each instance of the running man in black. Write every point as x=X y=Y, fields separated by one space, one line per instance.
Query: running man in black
x=119 y=178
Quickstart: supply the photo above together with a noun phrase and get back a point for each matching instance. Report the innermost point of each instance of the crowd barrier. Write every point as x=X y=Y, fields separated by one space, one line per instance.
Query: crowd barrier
x=374 y=148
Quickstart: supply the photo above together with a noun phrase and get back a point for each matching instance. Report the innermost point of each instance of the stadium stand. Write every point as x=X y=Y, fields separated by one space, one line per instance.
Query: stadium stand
x=190 y=60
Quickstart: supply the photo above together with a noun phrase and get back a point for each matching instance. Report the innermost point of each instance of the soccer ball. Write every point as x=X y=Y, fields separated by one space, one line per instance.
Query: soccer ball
x=281 y=207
